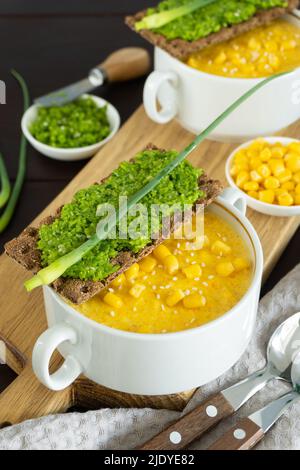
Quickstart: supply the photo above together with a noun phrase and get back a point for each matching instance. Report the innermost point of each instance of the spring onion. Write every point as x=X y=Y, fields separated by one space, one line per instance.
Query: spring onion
x=158 y=20
x=10 y=208
x=5 y=183
x=56 y=269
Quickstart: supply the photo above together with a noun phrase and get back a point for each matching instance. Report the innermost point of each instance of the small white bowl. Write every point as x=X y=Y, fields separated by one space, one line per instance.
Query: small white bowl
x=263 y=207
x=71 y=154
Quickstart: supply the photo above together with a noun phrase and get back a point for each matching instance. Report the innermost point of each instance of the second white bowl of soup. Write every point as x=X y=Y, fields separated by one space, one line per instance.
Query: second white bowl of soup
x=198 y=93
x=177 y=320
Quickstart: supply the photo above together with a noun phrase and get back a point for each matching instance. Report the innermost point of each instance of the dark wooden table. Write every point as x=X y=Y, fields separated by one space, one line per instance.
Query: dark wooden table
x=53 y=43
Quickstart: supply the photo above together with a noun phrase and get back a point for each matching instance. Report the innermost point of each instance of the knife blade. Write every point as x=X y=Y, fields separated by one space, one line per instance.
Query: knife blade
x=69 y=93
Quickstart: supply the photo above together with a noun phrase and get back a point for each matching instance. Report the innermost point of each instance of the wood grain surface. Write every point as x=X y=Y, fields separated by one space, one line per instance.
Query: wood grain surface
x=22 y=317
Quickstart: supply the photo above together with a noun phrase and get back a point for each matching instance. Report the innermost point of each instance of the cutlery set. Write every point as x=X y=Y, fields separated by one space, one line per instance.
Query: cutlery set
x=283 y=363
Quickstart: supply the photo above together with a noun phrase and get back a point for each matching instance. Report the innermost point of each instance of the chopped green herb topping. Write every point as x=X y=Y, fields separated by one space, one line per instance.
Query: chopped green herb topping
x=77 y=124
x=211 y=18
x=78 y=219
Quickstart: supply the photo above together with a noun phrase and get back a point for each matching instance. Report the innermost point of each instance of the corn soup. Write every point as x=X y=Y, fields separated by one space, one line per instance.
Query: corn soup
x=259 y=53
x=176 y=288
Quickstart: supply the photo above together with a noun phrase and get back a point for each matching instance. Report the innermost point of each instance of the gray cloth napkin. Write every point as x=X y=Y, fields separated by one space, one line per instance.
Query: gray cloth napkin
x=127 y=428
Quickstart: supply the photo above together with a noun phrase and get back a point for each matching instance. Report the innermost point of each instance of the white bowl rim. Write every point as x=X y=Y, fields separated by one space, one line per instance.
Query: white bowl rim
x=69 y=151
x=236 y=80
x=264 y=206
x=256 y=278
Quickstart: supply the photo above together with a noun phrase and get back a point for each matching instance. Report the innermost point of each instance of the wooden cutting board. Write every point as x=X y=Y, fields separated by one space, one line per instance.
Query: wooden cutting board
x=22 y=317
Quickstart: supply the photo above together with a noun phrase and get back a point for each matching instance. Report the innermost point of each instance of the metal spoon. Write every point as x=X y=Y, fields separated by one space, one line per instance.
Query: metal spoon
x=283 y=344
x=249 y=431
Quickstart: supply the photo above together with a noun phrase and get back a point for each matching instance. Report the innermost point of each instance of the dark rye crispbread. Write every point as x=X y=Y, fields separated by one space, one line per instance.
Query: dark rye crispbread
x=181 y=49
x=24 y=251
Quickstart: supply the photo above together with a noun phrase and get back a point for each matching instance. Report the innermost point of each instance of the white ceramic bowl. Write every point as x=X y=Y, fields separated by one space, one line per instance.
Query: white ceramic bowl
x=263 y=207
x=197 y=98
x=72 y=154
x=152 y=364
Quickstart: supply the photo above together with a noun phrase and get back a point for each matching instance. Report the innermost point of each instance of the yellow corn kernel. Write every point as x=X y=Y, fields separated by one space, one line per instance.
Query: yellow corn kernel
x=264 y=170
x=255 y=176
x=148 y=264
x=293 y=162
x=288 y=45
x=225 y=269
x=297 y=189
x=171 y=264
x=241 y=157
x=271 y=183
x=161 y=252
x=288 y=186
x=174 y=298
x=258 y=144
x=265 y=155
x=254 y=44
x=251 y=186
x=253 y=194
x=278 y=152
x=241 y=263
x=277 y=166
x=297 y=199
x=192 y=271
x=132 y=272
x=113 y=300
x=220 y=59
x=254 y=163
x=137 y=290
x=220 y=248
x=296 y=177
x=234 y=170
x=194 y=301
x=274 y=61
x=279 y=191
x=267 y=196
x=285 y=176
x=285 y=199
x=294 y=147
x=119 y=281
x=242 y=178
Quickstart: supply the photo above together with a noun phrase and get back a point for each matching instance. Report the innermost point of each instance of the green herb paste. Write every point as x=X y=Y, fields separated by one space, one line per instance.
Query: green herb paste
x=78 y=220
x=76 y=124
x=212 y=18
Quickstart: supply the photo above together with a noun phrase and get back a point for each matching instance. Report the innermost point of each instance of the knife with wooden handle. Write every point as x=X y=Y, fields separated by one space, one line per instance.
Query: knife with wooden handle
x=123 y=65
x=205 y=416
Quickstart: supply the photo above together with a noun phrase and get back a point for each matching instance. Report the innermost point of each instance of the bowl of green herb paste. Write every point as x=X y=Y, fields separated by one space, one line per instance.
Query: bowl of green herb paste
x=71 y=132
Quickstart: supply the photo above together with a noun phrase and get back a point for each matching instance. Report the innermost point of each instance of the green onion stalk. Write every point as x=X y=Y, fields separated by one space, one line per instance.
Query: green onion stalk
x=157 y=20
x=11 y=205
x=5 y=183
x=56 y=269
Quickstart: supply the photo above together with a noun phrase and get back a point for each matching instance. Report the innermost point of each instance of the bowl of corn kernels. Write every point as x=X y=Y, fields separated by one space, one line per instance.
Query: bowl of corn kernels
x=267 y=172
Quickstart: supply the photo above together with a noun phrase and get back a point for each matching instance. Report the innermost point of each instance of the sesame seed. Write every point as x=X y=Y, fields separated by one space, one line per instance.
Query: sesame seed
x=205 y=284
x=197 y=278
x=203 y=265
x=154 y=287
x=211 y=276
x=158 y=296
x=175 y=278
x=110 y=289
x=112 y=313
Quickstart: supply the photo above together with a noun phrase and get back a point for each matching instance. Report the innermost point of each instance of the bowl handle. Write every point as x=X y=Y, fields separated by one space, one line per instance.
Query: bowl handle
x=234 y=197
x=161 y=87
x=41 y=356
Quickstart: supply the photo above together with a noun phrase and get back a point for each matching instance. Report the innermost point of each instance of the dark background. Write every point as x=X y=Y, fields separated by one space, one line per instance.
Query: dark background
x=53 y=43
